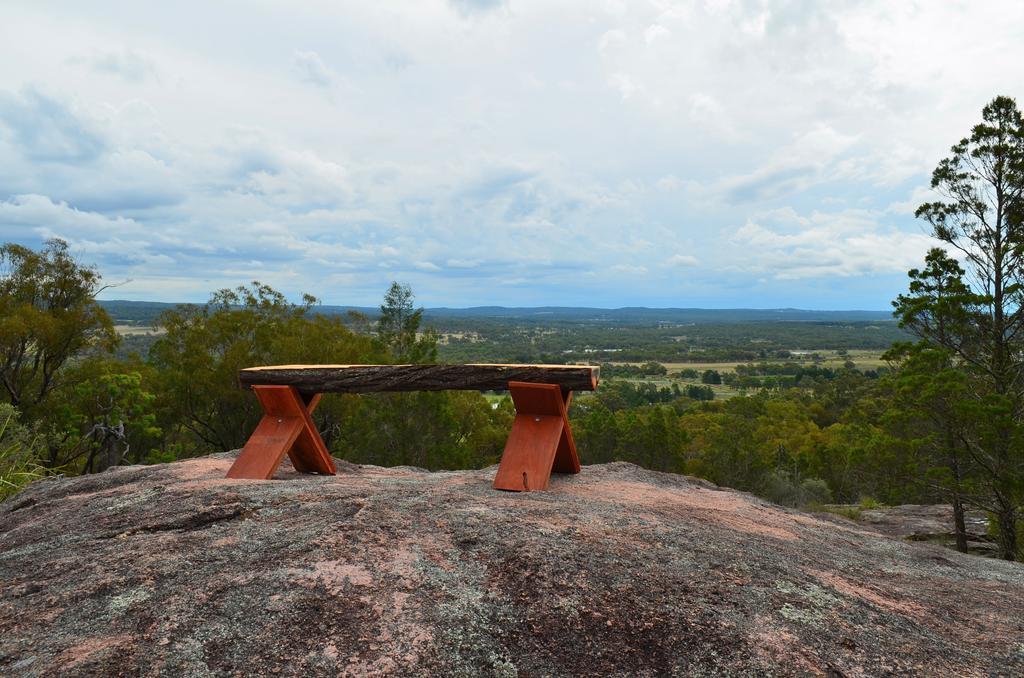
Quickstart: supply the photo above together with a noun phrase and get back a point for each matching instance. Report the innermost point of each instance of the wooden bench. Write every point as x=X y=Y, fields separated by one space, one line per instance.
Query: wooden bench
x=540 y=440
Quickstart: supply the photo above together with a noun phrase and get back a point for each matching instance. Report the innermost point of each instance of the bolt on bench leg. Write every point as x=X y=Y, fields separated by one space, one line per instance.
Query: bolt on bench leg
x=540 y=440
x=286 y=427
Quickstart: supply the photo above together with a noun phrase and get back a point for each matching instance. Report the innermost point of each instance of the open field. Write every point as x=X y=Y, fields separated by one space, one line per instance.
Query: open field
x=137 y=330
x=863 y=359
x=700 y=367
x=721 y=390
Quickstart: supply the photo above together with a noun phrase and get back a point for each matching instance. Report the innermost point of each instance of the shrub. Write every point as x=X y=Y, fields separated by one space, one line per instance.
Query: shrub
x=851 y=512
x=18 y=465
x=992 y=531
x=815 y=490
x=783 y=488
x=868 y=503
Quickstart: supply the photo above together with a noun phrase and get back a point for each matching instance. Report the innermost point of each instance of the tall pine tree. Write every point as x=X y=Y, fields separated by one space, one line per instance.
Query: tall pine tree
x=979 y=215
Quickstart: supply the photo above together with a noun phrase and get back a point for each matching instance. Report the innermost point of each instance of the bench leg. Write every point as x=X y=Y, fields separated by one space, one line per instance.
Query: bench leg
x=286 y=428
x=540 y=440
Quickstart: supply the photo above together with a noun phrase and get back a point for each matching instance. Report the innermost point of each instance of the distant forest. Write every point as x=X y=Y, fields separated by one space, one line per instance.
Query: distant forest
x=560 y=335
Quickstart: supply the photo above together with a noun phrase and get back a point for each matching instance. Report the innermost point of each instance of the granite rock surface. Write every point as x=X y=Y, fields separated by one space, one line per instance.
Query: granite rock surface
x=174 y=570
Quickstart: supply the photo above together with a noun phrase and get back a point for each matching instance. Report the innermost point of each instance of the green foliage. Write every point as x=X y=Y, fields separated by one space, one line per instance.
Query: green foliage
x=108 y=417
x=994 y=528
x=48 y=315
x=446 y=430
x=649 y=435
x=711 y=377
x=780 y=376
x=940 y=305
x=18 y=466
x=399 y=326
x=204 y=347
x=975 y=314
x=648 y=369
x=619 y=395
x=851 y=512
x=793 y=447
x=743 y=441
x=789 y=490
x=526 y=338
x=697 y=392
x=202 y=408
x=869 y=503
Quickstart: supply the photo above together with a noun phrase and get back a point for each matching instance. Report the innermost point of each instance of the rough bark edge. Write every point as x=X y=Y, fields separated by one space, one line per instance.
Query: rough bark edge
x=380 y=378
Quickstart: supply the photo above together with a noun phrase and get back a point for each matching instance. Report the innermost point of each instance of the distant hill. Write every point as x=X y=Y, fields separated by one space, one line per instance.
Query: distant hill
x=146 y=312
x=135 y=312
x=640 y=314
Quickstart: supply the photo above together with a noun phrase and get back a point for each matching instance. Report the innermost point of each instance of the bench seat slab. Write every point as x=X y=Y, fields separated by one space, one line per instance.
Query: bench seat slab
x=440 y=377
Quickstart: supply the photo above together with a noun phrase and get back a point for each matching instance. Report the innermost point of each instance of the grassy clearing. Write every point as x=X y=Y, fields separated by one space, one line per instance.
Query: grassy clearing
x=137 y=330
x=721 y=390
x=862 y=359
x=700 y=367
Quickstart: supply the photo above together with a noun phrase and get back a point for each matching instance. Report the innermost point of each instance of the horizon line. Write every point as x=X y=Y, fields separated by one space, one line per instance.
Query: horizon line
x=551 y=306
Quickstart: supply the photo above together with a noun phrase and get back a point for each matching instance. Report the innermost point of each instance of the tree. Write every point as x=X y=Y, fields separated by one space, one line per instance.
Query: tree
x=106 y=418
x=711 y=377
x=48 y=315
x=928 y=409
x=204 y=347
x=427 y=429
x=980 y=214
x=434 y=430
x=398 y=329
x=928 y=386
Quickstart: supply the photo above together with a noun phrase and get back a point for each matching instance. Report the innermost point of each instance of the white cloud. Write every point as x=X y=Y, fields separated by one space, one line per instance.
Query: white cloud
x=788 y=246
x=628 y=269
x=808 y=160
x=47 y=129
x=654 y=32
x=611 y=38
x=464 y=146
x=624 y=83
x=462 y=263
x=917 y=197
x=471 y=7
x=311 y=68
x=125 y=63
x=682 y=260
x=39 y=212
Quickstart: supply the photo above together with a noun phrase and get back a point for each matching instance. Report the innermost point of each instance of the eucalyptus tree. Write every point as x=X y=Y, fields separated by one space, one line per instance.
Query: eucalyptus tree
x=48 y=315
x=203 y=347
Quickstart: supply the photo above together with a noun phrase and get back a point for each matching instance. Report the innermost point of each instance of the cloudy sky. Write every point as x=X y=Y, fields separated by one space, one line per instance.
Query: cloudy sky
x=709 y=153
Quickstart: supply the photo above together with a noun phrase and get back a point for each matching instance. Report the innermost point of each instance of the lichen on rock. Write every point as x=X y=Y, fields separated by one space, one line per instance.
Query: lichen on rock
x=175 y=570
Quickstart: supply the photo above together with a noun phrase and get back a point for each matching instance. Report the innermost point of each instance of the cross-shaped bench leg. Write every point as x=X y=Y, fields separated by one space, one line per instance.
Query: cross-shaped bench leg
x=540 y=441
x=286 y=427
